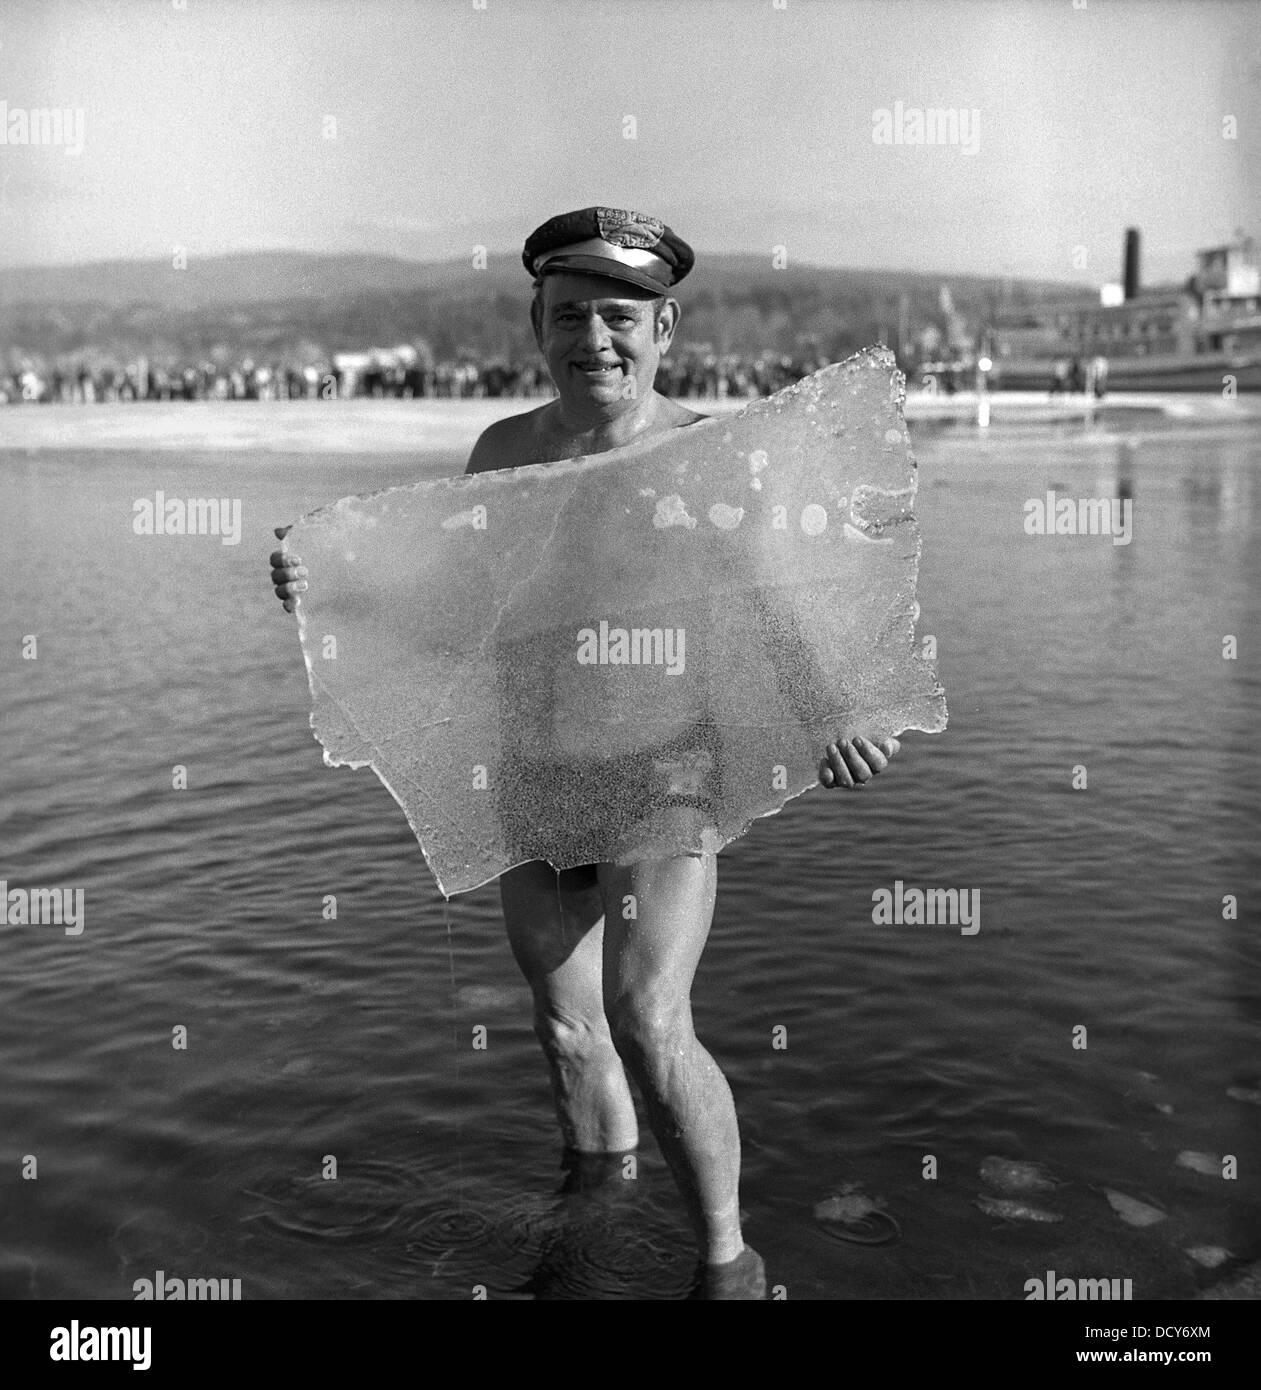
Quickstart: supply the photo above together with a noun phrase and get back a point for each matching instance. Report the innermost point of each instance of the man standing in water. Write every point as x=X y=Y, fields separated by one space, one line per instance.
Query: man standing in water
x=613 y=997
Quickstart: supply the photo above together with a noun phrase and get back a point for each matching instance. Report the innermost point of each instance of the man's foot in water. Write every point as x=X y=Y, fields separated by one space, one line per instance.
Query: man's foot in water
x=608 y=1177
x=741 y=1278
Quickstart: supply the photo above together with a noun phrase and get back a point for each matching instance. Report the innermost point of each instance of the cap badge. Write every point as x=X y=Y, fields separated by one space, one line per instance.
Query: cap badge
x=629 y=229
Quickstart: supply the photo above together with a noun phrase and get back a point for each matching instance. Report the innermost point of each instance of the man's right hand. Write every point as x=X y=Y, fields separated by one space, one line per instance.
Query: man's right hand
x=288 y=574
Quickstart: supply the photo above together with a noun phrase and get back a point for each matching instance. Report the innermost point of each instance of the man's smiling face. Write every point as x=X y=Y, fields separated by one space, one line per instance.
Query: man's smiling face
x=597 y=334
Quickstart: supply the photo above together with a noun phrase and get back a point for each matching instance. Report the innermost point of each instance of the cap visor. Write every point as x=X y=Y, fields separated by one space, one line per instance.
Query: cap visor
x=607 y=269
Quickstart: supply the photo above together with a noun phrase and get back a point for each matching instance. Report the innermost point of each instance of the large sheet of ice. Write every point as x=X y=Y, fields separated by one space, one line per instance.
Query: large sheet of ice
x=629 y=655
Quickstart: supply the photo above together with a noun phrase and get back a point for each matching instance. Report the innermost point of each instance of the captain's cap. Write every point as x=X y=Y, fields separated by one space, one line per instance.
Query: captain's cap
x=612 y=242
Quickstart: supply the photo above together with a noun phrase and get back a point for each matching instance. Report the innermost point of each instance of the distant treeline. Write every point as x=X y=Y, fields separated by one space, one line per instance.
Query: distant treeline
x=287 y=307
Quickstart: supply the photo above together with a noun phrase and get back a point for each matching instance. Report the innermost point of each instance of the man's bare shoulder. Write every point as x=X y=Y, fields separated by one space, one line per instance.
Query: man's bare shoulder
x=507 y=443
x=523 y=439
x=676 y=415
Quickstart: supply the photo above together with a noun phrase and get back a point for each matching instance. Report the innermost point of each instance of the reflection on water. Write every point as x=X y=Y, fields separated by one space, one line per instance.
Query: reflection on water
x=313 y=1036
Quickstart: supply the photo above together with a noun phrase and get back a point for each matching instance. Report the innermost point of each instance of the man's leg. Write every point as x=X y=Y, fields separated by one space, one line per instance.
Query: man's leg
x=555 y=927
x=650 y=958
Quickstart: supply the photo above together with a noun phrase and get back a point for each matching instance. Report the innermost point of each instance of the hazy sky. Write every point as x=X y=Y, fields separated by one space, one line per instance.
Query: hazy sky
x=205 y=127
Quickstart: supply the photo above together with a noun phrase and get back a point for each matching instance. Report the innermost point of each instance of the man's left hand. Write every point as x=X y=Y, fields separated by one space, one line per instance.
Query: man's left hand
x=854 y=762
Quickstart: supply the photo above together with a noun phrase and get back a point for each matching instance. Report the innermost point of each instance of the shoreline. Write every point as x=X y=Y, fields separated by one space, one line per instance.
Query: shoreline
x=402 y=426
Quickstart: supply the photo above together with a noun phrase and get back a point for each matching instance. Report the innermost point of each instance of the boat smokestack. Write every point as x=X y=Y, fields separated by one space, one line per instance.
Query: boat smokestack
x=1131 y=263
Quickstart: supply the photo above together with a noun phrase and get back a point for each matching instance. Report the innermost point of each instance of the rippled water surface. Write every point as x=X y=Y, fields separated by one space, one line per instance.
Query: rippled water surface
x=309 y=1037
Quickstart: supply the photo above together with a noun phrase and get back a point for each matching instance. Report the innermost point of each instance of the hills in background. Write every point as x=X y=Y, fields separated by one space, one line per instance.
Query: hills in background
x=291 y=306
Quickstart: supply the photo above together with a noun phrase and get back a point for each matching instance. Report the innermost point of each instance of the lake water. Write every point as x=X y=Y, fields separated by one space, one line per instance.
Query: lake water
x=1101 y=908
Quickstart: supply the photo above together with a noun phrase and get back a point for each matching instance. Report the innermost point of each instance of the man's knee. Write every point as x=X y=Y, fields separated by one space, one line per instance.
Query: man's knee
x=650 y=1033
x=569 y=1038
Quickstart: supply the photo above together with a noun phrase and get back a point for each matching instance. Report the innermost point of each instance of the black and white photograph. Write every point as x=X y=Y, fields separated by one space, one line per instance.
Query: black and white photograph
x=629 y=659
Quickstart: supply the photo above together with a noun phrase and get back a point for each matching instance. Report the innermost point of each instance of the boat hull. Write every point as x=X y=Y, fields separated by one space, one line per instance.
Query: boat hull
x=1204 y=373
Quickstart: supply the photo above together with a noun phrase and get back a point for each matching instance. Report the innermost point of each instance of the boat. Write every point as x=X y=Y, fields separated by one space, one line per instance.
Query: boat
x=1201 y=336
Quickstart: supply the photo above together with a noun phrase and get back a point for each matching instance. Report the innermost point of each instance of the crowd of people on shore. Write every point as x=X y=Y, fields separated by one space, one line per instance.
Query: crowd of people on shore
x=343 y=377
x=695 y=374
